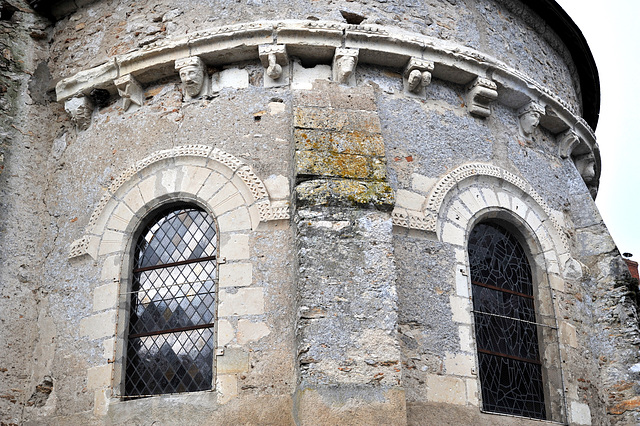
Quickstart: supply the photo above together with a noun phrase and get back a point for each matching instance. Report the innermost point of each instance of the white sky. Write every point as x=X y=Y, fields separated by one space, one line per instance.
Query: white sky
x=612 y=30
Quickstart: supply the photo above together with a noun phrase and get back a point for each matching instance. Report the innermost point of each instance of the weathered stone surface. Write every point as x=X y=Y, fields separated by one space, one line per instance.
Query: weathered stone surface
x=345 y=192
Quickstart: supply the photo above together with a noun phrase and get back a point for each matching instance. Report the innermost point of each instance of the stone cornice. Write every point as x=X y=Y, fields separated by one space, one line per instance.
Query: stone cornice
x=317 y=41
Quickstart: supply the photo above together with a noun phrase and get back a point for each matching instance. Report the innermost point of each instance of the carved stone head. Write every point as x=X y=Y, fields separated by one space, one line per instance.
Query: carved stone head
x=193 y=75
x=586 y=166
x=344 y=64
x=530 y=118
x=80 y=108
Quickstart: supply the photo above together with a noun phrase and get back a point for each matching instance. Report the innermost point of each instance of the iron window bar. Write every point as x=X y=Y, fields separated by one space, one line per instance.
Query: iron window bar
x=169 y=265
x=513 y=357
x=553 y=327
x=504 y=290
x=172 y=330
x=211 y=280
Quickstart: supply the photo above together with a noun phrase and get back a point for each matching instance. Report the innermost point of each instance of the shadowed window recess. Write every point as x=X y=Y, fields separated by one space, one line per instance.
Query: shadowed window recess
x=509 y=364
x=173 y=305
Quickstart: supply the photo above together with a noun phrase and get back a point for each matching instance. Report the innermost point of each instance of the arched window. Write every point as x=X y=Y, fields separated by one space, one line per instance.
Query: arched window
x=509 y=364
x=173 y=304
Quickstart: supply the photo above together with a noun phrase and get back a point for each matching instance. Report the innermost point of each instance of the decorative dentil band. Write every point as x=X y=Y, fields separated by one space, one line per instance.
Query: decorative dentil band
x=258 y=190
x=427 y=218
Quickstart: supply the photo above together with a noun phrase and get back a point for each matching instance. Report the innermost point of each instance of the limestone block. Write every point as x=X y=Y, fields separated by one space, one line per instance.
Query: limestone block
x=234 y=246
x=227 y=387
x=519 y=207
x=276 y=108
x=110 y=268
x=236 y=220
x=249 y=331
x=234 y=360
x=99 y=325
x=278 y=187
x=221 y=205
x=133 y=199
x=236 y=275
x=446 y=389
x=106 y=296
x=212 y=185
x=409 y=200
x=193 y=178
x=458 y=213
x=120 y=218
x=226 y=333
x=98 y=377
x=472 y=392
x=233 y=78
x=466 y=341
x=111 y=242
x=556 y=282
x=100 y=402
x=568 y=334
x=489 y=196
x=453 y=234
x=460 y=364
x=422 y=183
x=148 y=188
x=246 y=301
x=472 y=203
x=504 y=200
x=108 y=348
x=533 y=220
x=462 y=281
x=303 y=78
x=460 y=309
x=580 y=413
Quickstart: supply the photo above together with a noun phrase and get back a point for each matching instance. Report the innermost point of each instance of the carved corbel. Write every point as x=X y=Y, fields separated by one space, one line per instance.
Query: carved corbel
x=344 y=65
x=567 y=141
x=194 y=77
x=529 y=117
x=481 y=92
x=586 y=165
x=275 y=59
x=80 y=108
x=417 y=75
x=129 y=90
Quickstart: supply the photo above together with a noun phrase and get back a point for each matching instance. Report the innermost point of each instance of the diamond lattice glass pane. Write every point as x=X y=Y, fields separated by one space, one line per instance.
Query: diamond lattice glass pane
x=173 y=305
x=505 y=323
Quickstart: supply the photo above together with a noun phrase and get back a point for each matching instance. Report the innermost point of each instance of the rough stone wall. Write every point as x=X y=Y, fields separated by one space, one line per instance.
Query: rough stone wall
x=360 y=314
x=28 y=227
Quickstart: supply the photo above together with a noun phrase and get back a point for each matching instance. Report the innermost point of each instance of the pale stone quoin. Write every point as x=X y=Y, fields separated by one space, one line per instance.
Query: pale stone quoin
x=306 y=213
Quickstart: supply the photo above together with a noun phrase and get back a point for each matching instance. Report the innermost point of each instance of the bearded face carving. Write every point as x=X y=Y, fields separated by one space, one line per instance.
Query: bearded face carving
x=193 y=76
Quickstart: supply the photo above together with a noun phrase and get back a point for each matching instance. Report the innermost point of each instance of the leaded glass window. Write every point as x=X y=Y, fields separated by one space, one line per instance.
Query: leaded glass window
x=509 y=367
x=173 y=299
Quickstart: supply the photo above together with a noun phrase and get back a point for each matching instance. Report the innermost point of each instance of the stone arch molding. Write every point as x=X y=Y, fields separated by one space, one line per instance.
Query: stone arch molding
x=231 y=190
x=509 y=192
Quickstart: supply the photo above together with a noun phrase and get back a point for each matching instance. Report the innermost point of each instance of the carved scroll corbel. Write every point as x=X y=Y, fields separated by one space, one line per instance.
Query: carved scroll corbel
x=130 y=91
x=275 y=60
x=194 y=76
x=344 y=65
x=481 y=92
x=529 y=118
x=80 y=108
x=567 y=141
x=417 y=75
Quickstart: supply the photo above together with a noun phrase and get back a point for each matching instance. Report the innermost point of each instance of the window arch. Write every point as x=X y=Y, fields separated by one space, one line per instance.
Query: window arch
x=509 y=367
x=170 y=333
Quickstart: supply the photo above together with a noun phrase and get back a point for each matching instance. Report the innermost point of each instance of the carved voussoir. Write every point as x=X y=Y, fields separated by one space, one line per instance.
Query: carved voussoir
x=194 y=77
x=344 y=65
x=80 y=108
x=129 y=90
x=417 y=75
x=481 y=92
x=275 y=60
x=567 y=141
x=529 y=118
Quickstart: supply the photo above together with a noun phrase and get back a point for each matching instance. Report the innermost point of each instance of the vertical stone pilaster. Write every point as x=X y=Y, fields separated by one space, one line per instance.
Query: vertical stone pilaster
x=348 y=353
